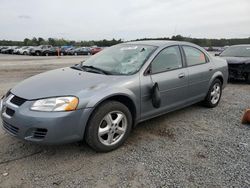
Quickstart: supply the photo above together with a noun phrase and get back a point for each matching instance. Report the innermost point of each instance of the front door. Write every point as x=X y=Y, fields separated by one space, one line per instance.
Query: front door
x=172 y=77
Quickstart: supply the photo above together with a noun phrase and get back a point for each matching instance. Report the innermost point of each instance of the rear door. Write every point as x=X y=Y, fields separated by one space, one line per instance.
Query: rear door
x=200 y=71
x=168 y=71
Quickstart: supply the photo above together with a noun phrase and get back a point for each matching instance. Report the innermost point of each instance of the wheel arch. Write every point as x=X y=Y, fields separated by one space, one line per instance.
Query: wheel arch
x=38 y=51
x=122 y=98
x=217 y=75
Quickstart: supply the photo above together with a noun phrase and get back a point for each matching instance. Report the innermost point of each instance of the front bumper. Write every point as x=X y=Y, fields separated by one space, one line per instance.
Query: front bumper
x=238 y=71
x=43 y=127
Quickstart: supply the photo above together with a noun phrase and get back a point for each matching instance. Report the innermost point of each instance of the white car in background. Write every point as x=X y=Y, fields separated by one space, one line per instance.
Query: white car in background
x=25 y=50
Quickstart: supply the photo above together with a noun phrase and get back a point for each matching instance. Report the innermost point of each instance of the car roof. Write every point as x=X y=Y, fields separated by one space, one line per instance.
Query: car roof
x=160 y=43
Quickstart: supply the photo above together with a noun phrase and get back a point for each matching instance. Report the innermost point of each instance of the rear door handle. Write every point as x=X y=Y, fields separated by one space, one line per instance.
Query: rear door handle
x=181 y=75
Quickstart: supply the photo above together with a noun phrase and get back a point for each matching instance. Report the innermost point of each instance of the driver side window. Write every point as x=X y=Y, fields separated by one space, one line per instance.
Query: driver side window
x=167 y=59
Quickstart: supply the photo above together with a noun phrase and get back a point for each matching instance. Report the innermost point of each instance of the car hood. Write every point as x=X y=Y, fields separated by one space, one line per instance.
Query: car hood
x=62 y=82
x=237 y=60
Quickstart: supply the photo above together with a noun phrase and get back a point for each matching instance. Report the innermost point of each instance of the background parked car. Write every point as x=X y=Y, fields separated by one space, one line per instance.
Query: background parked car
x=39 y=49
x=9 y=50
x=25 y=50
x=3 y=48
x=95 y=50
x=16 y=50
x=238 y=59
x=70 y=51
x=50 y=51
x=65 y=49
x=81 y=51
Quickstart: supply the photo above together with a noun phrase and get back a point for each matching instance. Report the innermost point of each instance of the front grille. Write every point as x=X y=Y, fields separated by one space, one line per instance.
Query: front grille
x=18 y=100
x=9 y=112
x=12 y=129
x=40 y=133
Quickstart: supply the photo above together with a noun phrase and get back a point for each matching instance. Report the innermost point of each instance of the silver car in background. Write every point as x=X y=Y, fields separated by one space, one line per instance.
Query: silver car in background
x=102 y=99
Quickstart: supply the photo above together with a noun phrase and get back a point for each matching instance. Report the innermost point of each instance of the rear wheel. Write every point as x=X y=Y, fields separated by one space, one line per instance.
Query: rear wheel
x=75 y=54
x=214 y=94
x=38 y=53
x=109 y=126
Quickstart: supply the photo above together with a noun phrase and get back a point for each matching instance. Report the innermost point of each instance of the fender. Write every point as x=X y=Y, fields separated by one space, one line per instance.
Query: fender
x=92 y=102
x=215 y=75
x=102 y=96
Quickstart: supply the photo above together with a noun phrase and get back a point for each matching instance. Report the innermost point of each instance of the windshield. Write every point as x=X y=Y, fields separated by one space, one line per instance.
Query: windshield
x=237 y=51
x=123 y=59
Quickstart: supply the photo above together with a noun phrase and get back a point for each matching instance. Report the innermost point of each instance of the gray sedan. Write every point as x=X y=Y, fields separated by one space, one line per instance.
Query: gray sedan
x=102 y=99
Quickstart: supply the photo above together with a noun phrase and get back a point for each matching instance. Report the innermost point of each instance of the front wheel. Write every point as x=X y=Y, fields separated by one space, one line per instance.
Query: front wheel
x=214 y=94
x=109 y=126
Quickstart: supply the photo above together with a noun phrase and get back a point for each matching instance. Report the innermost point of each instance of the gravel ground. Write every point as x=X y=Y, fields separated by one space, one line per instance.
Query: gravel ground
x=192 y=147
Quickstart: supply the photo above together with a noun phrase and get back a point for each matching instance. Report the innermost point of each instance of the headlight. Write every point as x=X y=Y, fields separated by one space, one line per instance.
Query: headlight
x=55 y=104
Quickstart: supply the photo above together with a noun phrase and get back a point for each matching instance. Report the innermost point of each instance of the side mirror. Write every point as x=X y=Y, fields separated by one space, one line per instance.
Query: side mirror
x=156 y=96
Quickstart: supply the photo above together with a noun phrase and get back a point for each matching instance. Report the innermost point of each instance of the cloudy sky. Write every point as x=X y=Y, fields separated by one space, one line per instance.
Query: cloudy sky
x=125 y=19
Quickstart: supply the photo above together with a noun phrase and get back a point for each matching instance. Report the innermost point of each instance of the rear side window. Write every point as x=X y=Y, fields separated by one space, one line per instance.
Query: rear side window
x=194 y=56
x=167 y=59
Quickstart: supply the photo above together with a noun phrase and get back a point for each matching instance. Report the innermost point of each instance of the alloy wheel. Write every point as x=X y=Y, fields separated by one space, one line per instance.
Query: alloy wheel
x=215 y=93
x=112 y=128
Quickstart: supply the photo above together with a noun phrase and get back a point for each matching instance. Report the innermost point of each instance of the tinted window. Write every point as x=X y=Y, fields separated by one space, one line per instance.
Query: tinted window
x=167 y=59
x=194 y=56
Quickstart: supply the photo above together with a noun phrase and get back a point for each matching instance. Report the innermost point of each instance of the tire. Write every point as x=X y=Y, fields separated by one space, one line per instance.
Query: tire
x=38 y=53
x=214 y=94
x=75 y=54
x=46 y=54
x=105 y=117
x=25 y=53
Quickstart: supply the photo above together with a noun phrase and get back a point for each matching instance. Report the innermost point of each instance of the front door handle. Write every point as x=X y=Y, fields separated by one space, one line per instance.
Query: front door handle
x=181 y=75
x=210 y=69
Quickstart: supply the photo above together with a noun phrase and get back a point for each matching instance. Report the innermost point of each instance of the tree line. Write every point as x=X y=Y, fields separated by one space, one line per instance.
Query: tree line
x=205 y=42
x=62 y=42
x=58 y=42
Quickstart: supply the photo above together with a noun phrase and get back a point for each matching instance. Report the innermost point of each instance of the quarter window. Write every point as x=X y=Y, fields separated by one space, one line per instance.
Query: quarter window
x=167 y=59
x=194 y=56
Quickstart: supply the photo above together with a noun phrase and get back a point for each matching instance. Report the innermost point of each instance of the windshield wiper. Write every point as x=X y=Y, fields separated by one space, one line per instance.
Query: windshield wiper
x=77 y=67
x=94 y=69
